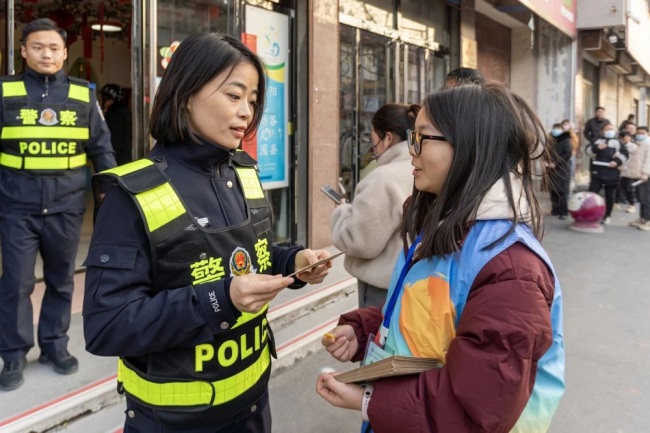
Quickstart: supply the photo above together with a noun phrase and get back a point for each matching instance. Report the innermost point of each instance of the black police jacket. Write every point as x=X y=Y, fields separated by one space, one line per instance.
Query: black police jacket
x=123 y=314
x=25 y=192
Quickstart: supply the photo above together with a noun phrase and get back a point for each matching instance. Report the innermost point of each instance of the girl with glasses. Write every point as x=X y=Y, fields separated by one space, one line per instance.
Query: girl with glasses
x=472 y=286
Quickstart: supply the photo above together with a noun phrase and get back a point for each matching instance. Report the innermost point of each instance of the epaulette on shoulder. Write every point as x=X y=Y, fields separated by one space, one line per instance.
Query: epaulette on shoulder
x=9 y=78
x=79 y=81
x=243 y=158
x=139 y=176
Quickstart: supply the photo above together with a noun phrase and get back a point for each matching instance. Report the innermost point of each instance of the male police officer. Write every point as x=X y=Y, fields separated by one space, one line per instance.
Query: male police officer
x=49 y=124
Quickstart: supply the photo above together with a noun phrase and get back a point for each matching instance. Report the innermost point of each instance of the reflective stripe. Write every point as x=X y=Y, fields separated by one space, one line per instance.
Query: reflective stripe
x=247 y=317
x=12 y=161
x=160 y=205
x=80 y=93
x=131 y=167
x=193 y=393
x=48 y=132
x=43 y=163
x=250 y=183
x=14 y=88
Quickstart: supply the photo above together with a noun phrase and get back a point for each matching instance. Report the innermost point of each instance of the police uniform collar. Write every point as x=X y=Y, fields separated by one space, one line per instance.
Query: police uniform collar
x=57 y=76
x=200 y=155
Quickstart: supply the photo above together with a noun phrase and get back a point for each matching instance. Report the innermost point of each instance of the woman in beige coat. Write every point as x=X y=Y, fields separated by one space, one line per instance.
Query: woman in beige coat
x=369 y=226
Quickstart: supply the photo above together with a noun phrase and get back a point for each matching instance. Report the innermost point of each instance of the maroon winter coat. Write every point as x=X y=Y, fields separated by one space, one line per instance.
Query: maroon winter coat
x=490 y=368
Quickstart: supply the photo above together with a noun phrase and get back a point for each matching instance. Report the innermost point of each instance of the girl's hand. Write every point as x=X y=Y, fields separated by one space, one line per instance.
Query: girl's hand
x=343 y=395
x=341 y=342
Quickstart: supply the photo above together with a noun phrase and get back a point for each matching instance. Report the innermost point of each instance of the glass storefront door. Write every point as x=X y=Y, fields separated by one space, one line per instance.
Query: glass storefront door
x=376 y=70
x=367 y=83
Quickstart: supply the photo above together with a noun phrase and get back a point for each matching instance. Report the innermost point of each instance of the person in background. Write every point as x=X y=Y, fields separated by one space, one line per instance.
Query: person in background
x=625 y=192
x=460 y=76
x=369 y=226
x=559 y=171
x=472 y=287
x=567 y=126
x=631 y=129
x=595 y=125
x=118 y=119
x=182 y=266
x=51 y=125
x=608 y=155
x=639 y=170
x=630 y=119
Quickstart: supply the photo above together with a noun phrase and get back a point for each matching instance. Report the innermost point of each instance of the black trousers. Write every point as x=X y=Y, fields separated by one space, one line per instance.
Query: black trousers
x=559 y=202
x=142 y=421
x=625 y=191
x=643 y=195
x=610 y=192
x=22 y=237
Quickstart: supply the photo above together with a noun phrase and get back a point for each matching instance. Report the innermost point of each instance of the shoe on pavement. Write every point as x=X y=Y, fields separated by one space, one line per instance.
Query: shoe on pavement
x=62 y=362
x=637 y=222
x=645 y=226
x=631 y=209
x=617 y=206
x=606 y=221
x=12 y=374
x=562 y=217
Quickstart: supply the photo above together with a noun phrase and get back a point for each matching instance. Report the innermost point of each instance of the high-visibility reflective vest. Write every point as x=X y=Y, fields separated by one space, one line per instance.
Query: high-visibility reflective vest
x=45 y=138
x=233 y=370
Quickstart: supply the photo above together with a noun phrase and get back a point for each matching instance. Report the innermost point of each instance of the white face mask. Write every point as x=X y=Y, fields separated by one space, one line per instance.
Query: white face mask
x=641 y=137
x=609 y=134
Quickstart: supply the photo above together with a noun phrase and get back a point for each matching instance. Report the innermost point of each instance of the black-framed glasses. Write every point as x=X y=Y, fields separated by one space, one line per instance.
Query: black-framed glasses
x=414 y=140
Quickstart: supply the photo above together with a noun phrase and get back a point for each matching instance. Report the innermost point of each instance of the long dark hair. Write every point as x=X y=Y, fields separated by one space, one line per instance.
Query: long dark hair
x=494 y=133
x=395 y=118
x=196 y=61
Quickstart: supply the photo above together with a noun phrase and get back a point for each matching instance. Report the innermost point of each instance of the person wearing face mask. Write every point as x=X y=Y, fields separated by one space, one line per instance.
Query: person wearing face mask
x=182 y=265
x=607 y=156
x=639 y=170
x=559 y=171
x=369 y=225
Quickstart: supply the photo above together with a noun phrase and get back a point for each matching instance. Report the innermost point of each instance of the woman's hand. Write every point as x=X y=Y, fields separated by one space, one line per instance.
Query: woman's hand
x=316 y=274
x=250 y=292
x=341 y=342
x=343 y=395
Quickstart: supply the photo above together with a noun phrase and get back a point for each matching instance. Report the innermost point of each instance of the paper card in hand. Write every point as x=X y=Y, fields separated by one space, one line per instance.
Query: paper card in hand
x=320 y=262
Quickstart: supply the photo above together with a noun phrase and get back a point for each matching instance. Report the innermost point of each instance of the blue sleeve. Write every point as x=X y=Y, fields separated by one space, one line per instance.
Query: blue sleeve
x=124 y=313
x=99 y=148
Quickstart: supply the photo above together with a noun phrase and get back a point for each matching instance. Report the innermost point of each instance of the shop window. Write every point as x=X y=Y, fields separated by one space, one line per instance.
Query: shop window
x=177 y=20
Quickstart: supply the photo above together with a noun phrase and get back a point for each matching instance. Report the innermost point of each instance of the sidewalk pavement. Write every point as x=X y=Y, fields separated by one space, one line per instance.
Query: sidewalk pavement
x=604 y=279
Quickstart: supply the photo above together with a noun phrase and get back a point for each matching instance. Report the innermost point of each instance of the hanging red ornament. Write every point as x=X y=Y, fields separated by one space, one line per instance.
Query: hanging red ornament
x=101 y=37
x=87 y=37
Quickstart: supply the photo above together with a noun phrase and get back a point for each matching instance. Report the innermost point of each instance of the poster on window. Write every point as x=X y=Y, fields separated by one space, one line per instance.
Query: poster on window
x=267 y=34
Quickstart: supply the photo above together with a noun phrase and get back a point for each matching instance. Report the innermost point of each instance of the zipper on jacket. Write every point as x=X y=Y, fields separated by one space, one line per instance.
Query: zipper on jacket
x=217 y=168
x=47 y=87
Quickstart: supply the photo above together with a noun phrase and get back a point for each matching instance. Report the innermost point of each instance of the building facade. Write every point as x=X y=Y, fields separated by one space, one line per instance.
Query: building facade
x=332 y=63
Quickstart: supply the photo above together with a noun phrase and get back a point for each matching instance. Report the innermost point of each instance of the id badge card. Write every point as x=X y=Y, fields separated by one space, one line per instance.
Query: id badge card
x=374 y=353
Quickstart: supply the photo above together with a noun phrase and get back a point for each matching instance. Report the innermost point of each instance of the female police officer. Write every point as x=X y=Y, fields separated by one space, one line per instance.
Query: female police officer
x=181 y=265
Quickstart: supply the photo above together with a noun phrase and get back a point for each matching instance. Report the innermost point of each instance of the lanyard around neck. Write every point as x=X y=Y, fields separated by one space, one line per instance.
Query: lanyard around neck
x=408 y=263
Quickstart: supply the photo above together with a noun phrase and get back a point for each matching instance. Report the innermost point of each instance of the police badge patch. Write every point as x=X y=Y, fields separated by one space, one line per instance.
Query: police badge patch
x=48 y=117
x=240 y=263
